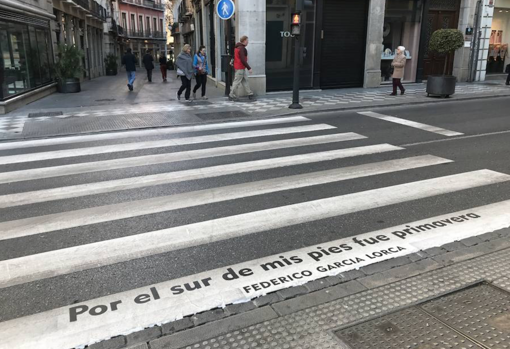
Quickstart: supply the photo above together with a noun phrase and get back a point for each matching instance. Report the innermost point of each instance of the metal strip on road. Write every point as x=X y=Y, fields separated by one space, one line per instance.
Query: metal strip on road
x=53 y=330
x=75 y=191
x=115 y=164
x=124 y=147
x=148 y=133
x=414 y=124
x=60 y=262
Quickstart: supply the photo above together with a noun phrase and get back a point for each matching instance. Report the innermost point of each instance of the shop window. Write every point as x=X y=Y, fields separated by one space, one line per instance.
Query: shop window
x=25 y=58
x=402 y=27
x=280 y=45
x=498 y=45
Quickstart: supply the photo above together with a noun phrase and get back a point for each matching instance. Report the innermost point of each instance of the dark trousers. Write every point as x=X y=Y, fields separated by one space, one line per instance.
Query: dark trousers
x=201 y=82
x=163 y=71
x=186 y=85
x=508 y=79
x=398 y=83
x=149 y=74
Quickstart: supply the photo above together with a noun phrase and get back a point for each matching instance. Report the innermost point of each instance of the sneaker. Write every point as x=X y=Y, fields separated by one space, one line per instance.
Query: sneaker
x=178 y=96
x=205 y=98
x=188 y=101
x=130 y=87
x=402 y=92
x=233 y=98
x=393 y=94
x=252 y=97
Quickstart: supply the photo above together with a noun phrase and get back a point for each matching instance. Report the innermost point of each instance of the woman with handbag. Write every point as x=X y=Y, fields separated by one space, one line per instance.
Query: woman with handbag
x=201 y=71
x=184 y=64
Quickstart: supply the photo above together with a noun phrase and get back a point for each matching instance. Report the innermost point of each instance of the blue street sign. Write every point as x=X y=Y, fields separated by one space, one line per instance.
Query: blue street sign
x=225 y=9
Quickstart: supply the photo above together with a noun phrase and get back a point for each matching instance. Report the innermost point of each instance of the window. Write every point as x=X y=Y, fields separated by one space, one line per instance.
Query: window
x=161 y=25
x=140 y=24
x=133 y=23
x=25 y=58
x=148 y=25
x=154 y=25
x=124 y=20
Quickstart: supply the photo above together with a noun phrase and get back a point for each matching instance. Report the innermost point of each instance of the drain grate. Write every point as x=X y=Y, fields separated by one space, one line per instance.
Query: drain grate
x=221 y=115
x=105 y=100
x=477 y=317
x=45 y=114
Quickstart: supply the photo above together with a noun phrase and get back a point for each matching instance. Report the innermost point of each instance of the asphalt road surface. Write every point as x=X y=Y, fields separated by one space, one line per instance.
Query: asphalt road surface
x=85 y=217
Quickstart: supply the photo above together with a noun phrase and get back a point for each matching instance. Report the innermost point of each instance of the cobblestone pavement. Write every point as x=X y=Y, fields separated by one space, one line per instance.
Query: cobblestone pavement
x=13 y=125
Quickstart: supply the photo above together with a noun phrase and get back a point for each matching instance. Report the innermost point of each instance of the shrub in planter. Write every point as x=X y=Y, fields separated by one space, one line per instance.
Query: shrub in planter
x=444 y=41
x=111 y=64
x=68 y=68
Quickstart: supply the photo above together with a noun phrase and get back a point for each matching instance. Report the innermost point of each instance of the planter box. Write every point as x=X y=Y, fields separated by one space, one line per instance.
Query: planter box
x=69 y=86
x=443 y=86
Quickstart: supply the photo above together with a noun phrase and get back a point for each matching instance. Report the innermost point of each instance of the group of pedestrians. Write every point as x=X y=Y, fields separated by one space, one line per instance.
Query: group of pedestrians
x=130 y=61
x=197 y=66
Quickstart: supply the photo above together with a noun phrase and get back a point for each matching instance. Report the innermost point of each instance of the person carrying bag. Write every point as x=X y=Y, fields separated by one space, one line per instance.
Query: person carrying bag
x=201 y=71
x=185 y=71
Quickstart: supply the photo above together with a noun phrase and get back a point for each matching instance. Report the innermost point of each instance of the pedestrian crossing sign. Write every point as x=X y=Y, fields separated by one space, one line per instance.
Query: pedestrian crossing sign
x=225 y=9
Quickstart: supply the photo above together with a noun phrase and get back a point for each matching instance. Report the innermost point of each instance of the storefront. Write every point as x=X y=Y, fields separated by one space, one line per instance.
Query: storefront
x=26 y=51
x=499 y=40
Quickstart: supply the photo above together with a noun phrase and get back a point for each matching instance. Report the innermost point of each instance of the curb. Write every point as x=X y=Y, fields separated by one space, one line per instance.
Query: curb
x=291 y=113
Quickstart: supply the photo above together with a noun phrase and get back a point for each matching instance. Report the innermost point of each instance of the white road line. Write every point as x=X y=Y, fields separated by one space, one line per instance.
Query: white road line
x=60 y=262
x=60 y=154
x=53 y=329
x=115 y=164
x=147 y=133
x=458 y=138
x=74 y=191
x=414 y=124
x=94 y=215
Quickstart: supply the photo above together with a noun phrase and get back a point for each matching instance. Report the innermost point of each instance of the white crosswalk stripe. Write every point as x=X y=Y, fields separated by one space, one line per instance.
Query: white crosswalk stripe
x=47 y=201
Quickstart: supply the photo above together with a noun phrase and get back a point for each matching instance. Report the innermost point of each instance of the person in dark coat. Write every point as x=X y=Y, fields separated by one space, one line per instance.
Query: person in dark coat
x=129 y=60
x=148 y=63
x=163 y=66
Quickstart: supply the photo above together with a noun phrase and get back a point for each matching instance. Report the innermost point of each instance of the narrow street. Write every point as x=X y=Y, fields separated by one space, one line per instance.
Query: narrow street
x=187 y=219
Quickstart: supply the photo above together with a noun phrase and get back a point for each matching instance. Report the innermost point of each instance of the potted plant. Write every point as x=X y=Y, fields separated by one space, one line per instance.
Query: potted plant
x=444 y=41
x=110 y=62
x=68 y=68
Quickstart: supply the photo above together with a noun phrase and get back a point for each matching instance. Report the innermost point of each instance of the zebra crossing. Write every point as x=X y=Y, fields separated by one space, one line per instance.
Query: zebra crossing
x=81 y=207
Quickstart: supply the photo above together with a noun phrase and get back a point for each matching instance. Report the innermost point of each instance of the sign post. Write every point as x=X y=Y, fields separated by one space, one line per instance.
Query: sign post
x=225 y=9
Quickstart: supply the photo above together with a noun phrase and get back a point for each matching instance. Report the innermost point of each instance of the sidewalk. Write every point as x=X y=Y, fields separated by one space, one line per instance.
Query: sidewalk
x=454 y=296
x=105 y=104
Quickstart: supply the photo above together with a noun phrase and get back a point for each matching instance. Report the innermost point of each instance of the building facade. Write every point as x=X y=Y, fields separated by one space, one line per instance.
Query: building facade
x=26 y=45
x=144 y=26
x=347 y=43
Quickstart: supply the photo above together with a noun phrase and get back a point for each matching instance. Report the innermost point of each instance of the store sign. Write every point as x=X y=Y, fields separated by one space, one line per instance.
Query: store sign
x=286 y=35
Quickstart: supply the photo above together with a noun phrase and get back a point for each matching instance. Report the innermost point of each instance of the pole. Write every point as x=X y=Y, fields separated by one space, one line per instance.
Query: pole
x=473 y=62
x=228 y=42
x=297 y=57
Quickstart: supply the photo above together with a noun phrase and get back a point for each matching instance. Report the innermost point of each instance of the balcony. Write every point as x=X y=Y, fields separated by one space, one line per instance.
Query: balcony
x=145 y=34
x=98 y=11
x=146 y=3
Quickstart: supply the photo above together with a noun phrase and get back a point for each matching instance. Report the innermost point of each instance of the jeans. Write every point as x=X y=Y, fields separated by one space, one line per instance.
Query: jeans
x=186 y=85
x=149 y=75
x=398 y=83
x=201 y=82
x=241 y=78
x=131 y=75
x=163 y=71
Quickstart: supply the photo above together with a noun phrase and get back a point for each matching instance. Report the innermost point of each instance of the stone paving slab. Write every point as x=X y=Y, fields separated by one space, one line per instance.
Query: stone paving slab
x=148 y=114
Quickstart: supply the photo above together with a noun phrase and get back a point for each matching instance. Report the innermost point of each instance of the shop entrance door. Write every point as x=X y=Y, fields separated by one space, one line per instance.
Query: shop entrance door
x=344 y=31
x=442 y=15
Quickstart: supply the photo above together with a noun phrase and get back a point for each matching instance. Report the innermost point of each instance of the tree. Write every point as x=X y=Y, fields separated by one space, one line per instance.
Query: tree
x=446 y=41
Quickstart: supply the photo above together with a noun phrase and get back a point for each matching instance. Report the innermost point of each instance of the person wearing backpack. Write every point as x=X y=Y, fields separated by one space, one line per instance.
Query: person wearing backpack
x=201 y=71
x=148 y=62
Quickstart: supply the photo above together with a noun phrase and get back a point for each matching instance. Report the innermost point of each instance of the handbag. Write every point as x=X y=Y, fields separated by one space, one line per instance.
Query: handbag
x=180 y=72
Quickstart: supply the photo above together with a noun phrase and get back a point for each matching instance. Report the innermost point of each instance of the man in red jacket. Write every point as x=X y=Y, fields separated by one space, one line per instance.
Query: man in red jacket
x=240 y=66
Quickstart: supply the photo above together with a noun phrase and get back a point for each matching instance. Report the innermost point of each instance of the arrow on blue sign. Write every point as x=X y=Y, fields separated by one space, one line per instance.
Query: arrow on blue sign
x=225 y=9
